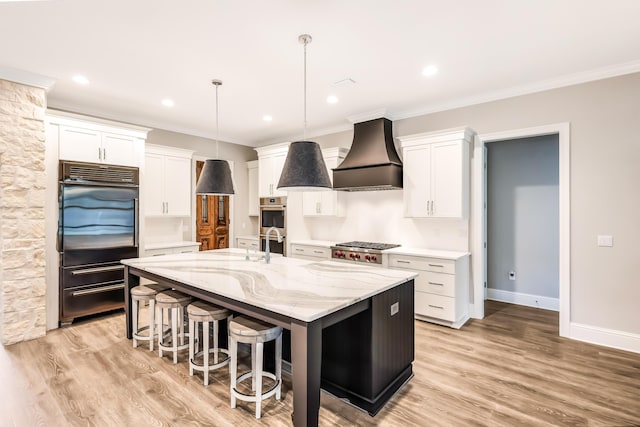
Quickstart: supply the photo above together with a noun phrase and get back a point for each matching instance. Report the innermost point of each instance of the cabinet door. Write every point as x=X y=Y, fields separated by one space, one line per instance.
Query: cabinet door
x=154 y=185
x=277 y=163
x=417 y=181
x=312 y=203
x=265 y=180
x=177 y=192
x=253 y=192
x=446 y=175
x=119 y=150
x=78 y=144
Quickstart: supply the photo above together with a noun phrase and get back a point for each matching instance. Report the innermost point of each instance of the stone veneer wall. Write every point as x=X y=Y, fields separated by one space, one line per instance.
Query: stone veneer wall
x=22 y=199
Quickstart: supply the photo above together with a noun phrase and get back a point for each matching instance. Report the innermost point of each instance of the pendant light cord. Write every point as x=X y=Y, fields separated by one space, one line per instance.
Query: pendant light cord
x=217 y=127
x=305 y=91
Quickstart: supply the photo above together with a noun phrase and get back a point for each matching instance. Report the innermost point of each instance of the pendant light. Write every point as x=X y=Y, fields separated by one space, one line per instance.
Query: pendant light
x=215 y=178
x=304 y=168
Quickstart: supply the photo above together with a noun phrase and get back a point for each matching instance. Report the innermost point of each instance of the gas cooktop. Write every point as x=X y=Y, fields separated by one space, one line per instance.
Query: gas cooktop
x=360 y=251
x=367 y=245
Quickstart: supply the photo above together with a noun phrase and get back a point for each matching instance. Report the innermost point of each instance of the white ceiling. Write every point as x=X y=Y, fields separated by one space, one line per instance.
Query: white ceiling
x=137 y=52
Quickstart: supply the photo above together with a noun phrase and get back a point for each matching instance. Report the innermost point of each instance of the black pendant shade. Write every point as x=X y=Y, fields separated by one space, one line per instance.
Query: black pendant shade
x=215 y=178
x=304 y=169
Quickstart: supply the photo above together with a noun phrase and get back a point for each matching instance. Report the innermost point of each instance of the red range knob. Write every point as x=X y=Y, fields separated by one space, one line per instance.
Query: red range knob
x=350 y=255
x=336 y=254
x=367 y=257
x=357 y=256
x=373 y=257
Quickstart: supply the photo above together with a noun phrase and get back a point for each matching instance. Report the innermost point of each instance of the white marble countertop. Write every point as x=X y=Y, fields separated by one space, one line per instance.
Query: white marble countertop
x=318 y=243
x=251 y=237
x=300 y=289
x=175 y=244
x=433 y=253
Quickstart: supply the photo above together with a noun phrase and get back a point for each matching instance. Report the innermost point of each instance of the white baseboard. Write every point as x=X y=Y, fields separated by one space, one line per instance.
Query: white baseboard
x=606 y=337
x=529 y=300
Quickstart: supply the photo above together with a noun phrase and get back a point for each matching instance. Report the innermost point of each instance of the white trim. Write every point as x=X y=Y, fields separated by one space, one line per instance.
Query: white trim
x=478 y=235
x=606 y=337
x=26 y=78
x=520 y=298
x=526 y=89
x=95 y=123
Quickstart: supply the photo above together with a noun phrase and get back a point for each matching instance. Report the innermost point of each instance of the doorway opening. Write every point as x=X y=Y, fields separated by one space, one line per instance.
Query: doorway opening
x=479 y=217
x=523 y=222
x=212 y=218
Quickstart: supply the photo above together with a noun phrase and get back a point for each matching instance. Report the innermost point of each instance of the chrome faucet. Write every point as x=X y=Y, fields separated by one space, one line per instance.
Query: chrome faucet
x=267 y=256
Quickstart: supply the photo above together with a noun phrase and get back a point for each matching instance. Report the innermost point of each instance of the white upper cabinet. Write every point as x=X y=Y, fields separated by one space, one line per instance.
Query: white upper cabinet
x=167 y=181
x=326 y=203
x=436 y=174
x=253 y=202
x=270 y=163
x=80 y=139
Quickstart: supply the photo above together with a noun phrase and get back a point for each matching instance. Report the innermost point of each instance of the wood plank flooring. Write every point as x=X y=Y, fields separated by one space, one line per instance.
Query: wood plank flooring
x=509 y=369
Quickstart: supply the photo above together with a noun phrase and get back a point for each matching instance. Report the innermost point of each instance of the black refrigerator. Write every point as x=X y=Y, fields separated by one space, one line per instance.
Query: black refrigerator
x=97 y=227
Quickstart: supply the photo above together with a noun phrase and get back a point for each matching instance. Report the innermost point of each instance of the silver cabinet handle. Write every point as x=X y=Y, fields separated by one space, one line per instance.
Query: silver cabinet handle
x=99 y=153
x=299 y=250
x=98 y=290
x=436 y=265
x=104 y=154
x=436 y=306
x=318 y=252
x=437 y=284
x=433 y=209
x=136 y=229
x=97 y=270
x=403 y=262
x=167 y=203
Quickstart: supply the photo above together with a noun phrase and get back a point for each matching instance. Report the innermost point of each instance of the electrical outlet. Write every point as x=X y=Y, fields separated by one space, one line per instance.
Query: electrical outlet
x=395 y=308
x=512 y=275
x=606 y=241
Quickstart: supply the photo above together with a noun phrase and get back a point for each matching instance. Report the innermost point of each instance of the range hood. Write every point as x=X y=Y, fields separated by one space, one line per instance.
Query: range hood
x=372 y=162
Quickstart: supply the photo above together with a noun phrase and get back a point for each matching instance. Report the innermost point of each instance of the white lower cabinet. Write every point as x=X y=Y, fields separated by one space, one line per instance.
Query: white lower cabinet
x=312 y=253
x=247 y=243
x=159 y=249
x=441 y=288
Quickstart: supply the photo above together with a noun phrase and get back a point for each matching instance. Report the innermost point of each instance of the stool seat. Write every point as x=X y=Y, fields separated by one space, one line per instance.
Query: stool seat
x=144 y=293
x=203 y=311
x=254 y=332
x=170 y=297
x=206 y=314
x=150 y=289
x=174 y=302
x=249 y=330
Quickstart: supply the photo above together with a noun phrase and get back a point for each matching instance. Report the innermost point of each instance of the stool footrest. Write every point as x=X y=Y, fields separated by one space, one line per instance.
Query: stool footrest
x=253 y=397
x=199 y=366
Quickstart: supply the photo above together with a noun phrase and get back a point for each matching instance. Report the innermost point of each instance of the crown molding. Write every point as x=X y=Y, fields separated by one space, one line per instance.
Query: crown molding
x=26 y=78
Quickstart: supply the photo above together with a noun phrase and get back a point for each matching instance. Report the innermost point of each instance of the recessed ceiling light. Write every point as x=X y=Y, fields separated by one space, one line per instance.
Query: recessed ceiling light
x=82 y=80
x=168 y=103
x=267 y=118
x=332 y=99
x=430 y=70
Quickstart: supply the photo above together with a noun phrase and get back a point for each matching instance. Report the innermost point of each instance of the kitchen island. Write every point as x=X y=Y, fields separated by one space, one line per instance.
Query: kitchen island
x=352 y=330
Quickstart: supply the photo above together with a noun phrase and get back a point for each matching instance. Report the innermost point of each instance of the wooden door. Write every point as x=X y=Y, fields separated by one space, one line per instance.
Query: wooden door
x=212 y=219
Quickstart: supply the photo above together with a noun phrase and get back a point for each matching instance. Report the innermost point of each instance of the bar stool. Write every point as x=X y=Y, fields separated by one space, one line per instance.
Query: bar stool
x=201 y=312
x=174 y=302
x=139 y=294
x=254 y=332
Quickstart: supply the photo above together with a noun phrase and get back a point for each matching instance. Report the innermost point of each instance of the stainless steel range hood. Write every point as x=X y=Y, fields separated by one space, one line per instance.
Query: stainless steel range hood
x=372 y=162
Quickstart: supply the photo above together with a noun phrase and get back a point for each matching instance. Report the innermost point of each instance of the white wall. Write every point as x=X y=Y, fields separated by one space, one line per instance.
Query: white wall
x=523 y=215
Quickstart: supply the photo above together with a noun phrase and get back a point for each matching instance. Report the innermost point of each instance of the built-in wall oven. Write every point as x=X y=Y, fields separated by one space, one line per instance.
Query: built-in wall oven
x=273 y=213
x=97 y=227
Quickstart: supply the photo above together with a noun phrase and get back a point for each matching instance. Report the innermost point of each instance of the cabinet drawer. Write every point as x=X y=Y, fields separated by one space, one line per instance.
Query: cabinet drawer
x=310 y=251
x=437 y=306
x=247 y=244
x=436 y=283
x=425 y=264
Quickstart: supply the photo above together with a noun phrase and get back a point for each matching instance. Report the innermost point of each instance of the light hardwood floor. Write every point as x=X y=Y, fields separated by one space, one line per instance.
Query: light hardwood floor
x=509 y=369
